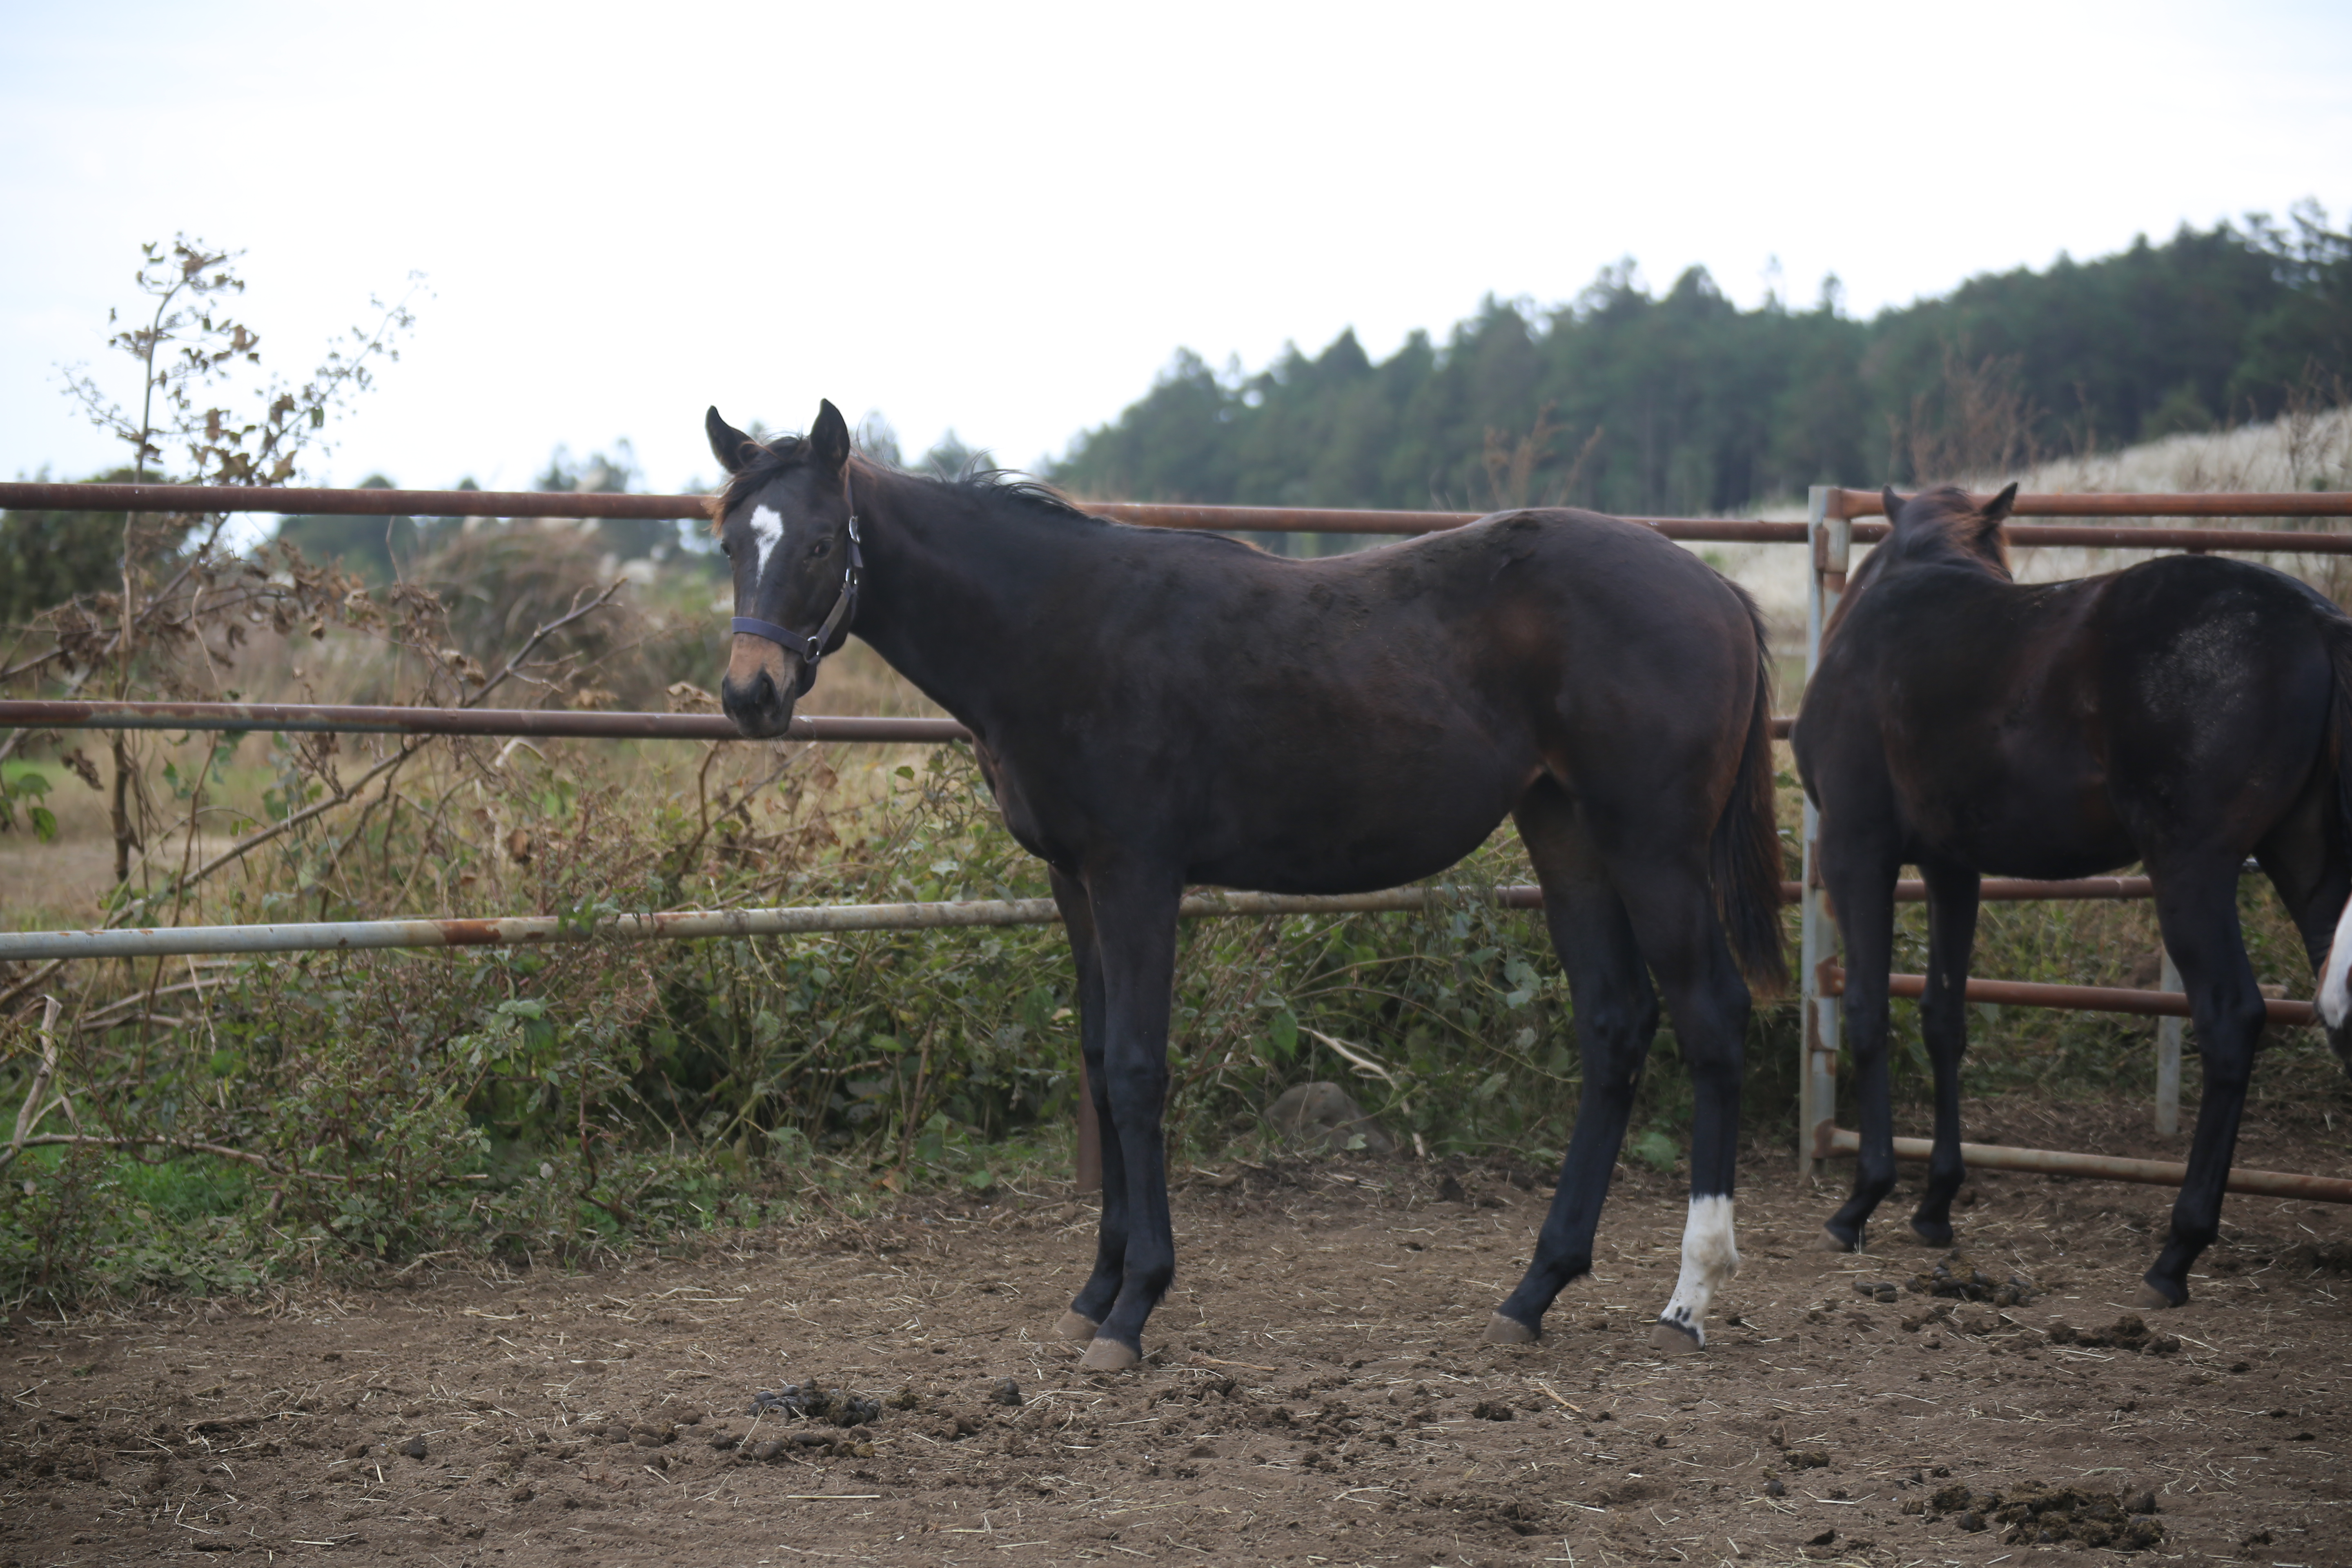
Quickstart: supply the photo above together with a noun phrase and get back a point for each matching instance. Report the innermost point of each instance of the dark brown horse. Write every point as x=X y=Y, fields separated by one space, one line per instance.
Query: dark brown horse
x=2184 y=713
x=1155 y=709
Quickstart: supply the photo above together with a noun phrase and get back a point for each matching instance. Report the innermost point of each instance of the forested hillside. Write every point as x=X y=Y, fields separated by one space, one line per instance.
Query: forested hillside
x=1681 y=403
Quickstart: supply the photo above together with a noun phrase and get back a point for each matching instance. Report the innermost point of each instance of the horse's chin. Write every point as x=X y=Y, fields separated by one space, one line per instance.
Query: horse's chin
x=762 y=724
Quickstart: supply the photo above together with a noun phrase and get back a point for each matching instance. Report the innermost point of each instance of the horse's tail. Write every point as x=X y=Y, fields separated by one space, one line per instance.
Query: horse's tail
x=2335 y=977
x=1747 y=849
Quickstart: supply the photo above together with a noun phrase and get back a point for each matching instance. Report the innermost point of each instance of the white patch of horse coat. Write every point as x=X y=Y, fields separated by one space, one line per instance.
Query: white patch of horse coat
x=768 y=528
x=2336 y=987
x=1710 y=1256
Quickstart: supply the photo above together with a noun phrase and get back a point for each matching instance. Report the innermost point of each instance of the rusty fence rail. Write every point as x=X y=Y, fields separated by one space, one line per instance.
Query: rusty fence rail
x=692 y=925
x=687 y=925
x=1848 y=506
x=1836 y=522
x=356 y=719
x=2104 y=1167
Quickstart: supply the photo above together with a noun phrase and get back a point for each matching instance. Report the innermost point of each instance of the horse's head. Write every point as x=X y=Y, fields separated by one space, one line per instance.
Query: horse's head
x=1933 y=526
x=787 y=525
x=1944 y=524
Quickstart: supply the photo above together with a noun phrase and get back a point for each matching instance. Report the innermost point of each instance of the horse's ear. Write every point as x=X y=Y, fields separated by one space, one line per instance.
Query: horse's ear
x=828 y=438
x=730 y=445
x=1997 y=509
x=1891 y=502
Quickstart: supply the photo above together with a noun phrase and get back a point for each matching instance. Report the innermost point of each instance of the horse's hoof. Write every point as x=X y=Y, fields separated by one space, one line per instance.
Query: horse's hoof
x=1667 y=1335
x=1076 y=1326
x=1503 y=1330
x=1831 y=1241
x=2151 y=1299
x=1109 y=1355
x=1929 y=1232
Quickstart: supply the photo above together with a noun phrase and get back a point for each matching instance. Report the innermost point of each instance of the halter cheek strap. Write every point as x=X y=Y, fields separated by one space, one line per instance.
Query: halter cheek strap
x=810 y=648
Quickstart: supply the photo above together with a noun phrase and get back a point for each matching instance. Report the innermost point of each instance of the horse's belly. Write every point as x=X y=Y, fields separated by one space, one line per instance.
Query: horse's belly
x=1358 y=869
x=2046 y=834
x=1341 y=842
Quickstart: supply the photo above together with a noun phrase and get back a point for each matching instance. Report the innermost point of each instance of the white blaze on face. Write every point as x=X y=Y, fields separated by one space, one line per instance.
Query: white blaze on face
x=1710 y=1256
x=768 y=529
x=2335 y=983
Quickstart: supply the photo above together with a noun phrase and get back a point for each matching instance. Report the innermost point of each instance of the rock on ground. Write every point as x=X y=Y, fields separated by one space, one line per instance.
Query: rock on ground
x=1325 y=1114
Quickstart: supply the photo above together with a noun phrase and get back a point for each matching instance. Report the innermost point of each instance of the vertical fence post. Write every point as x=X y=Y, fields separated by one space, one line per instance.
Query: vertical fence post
x=2167 y=1055
x=1829 y=539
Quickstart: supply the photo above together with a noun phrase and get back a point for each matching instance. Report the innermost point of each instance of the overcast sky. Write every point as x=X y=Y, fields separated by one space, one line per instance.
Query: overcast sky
x=1005 y=218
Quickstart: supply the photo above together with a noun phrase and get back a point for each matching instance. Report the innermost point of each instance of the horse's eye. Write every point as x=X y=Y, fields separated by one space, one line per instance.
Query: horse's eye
x=821 y=547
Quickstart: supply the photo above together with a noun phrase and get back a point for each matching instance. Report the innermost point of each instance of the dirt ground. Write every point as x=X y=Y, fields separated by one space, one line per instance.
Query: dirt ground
x=1315 y=1393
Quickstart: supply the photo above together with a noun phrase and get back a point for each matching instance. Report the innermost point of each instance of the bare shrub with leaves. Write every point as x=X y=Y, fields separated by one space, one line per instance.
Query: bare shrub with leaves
x=1511 y=464
x=134 y=641
x=1977 y=420
x=188 y=350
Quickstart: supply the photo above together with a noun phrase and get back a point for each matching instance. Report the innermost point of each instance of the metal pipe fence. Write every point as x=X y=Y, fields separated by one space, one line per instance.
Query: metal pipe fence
x=1835 y=524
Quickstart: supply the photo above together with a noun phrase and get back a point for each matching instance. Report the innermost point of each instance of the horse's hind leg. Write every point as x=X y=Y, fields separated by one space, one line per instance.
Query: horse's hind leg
x=2197 y=906
x=1134 y=911
x=1672 y=905
x=1616 y=1015
x=2310 y=864
x=1093 y=1301
x=1952 y=892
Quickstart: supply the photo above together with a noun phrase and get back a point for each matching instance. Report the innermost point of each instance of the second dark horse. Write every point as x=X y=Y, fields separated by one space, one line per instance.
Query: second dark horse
x=2185 y=713
x=1154 y=708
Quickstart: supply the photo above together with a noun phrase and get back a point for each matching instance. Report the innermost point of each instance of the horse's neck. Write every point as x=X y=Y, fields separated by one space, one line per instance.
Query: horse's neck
x=949 y=578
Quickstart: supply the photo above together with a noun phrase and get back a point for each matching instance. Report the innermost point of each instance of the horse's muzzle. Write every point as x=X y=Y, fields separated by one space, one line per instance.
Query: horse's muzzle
x=762 y=707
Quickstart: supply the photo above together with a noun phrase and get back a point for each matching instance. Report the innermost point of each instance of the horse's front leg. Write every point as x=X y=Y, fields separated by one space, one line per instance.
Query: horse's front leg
x=1134 y=925
x=2197 y=909
x=1859 y=877
x=1952 y=893
x=1088 y=1307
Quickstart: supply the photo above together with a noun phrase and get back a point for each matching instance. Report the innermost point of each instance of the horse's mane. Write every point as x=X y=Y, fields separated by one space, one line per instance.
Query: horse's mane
x=1005 y=485
x=1946 y=525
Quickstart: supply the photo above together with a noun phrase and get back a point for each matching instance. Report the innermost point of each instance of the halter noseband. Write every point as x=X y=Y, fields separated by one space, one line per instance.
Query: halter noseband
x=810 y=649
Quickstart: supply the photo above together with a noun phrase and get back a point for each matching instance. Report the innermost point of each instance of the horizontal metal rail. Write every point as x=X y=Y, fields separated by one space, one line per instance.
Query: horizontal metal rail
x=518 y=930
x=2146 y=503
x=54 y=497
x=521 y=930
x=1841 y=1141
x=362 y=720
x=2080 y=998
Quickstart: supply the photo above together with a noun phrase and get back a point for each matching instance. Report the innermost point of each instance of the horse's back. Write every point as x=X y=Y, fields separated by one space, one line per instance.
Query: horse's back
x=1359 y=720
x=2215 y=683
x=2053 y=729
